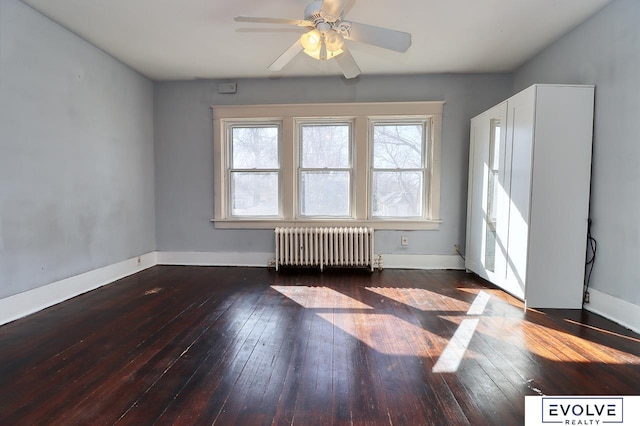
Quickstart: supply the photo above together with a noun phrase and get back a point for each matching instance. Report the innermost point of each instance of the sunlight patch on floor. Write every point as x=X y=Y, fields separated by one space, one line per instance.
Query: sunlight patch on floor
x=602 y=330
x=479 y=304
x=420 y=298
x=387 y=333
x=319 y=297
x=453 y=354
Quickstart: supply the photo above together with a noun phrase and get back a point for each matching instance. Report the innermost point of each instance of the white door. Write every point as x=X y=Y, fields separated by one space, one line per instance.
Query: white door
x=521 y=118
x=484 y=250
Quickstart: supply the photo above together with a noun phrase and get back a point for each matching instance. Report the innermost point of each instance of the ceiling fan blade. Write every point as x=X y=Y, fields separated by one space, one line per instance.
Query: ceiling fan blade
x=287 y=56
x=334 y=7
x=378 y=36
x=260 y=20
x=347 y=64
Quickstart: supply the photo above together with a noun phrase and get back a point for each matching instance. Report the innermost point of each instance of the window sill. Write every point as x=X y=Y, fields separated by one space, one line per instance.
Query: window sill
x=399 y=225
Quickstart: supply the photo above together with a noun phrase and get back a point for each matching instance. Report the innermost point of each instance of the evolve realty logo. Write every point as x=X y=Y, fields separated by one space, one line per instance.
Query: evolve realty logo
x=582 y=410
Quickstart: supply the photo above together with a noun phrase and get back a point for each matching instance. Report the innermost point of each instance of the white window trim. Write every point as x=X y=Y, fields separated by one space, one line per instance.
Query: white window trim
x=425 y=160
x=361 y=115
x=228 y=160
x=299 y=123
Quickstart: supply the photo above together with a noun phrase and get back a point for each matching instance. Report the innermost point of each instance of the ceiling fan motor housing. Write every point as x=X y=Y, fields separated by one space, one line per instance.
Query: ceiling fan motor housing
x=320 y=18
x=312 y=11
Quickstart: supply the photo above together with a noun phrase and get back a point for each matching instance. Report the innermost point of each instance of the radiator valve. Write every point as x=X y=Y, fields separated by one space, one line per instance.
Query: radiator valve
x=378 y=262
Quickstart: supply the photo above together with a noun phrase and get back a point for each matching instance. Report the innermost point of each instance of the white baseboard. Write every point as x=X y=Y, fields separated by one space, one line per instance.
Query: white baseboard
x=28 y=302
x=391 y=261
x=213 y=258
x=422 y=261
x=617 y=310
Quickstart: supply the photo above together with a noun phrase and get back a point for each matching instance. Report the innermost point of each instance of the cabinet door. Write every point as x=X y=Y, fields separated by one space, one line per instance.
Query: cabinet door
x=485 y=254
x=520 y=132
x=560 y=196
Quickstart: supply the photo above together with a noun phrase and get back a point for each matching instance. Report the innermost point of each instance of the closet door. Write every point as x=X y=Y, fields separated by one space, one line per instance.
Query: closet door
x=528 y=205
x=484 y=252
x=520 y=132
x=559 y=196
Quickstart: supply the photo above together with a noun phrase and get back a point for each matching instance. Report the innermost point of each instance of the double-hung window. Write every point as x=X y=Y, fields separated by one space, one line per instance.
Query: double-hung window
x=253 y=170
x=362 y=164
x=325 y=170
x=399 y=169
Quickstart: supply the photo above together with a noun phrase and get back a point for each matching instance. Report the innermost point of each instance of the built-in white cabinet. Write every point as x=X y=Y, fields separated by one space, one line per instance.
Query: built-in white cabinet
x=528 y=201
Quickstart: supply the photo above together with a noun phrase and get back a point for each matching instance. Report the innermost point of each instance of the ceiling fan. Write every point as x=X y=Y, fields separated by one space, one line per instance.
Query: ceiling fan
x=327 y=31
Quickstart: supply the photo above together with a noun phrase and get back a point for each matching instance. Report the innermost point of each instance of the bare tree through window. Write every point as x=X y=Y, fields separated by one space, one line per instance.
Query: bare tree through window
x=325 y=172
x=254 y=172
x=398 y=171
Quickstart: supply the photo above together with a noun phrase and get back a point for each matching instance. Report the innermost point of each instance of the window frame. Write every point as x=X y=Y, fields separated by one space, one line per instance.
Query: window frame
x=318 y=121
x=360 y=115
x=423 y=169
x=230 y=169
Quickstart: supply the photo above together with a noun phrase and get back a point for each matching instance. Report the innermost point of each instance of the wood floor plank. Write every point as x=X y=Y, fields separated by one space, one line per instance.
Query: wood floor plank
x=90 y=369
x=158 y=380
x=196 y=372
x=216 y=345
x=314 y=397
x=211 y=385
x=490 y=398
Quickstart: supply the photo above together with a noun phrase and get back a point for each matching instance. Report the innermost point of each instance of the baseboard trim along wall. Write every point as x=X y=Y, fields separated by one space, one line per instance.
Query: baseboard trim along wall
x=213 y=258
x=617 y=310
x=23 y=304
x=422 y=261
x=31 y=301
x=392 y=261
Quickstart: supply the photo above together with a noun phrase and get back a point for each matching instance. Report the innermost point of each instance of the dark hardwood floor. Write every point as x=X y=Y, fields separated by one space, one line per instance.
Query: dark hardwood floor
x=207 y=345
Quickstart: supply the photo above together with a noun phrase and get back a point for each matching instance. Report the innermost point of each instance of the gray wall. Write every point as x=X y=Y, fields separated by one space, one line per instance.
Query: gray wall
x=77 y=151
x=605 y=51
x=76 y=154
x=184 y=152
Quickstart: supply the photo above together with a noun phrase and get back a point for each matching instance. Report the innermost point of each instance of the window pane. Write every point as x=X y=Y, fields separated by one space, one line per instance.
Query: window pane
x=492 y=195
x=325 y=146
x=397 y=194
x=254 y=148
x=325 y=193
x=254 y=194
x=397 y=146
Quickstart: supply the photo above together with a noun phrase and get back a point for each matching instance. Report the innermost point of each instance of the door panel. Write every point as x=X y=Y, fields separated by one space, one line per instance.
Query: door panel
x=520 y=141
x=485 y=252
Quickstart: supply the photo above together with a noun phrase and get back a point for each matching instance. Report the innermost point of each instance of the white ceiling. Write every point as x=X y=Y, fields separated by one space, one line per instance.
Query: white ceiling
x=186 y=39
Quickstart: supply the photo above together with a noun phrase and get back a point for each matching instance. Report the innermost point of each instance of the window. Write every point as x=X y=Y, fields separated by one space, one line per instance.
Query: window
x=398 y=169
x=492 y=195
x=254 y=170
x=373 y=164
x=325 y=170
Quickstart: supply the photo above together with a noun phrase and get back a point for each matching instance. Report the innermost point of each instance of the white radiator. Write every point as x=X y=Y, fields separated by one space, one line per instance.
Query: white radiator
x=324 y=247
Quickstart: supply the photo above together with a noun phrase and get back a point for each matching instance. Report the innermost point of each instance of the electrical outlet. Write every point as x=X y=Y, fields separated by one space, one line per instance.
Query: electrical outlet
x=404 y=240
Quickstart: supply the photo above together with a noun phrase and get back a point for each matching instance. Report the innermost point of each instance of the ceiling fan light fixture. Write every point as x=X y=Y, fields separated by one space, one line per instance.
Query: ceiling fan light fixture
x=317 y=54
x=334 y=41
x=314 y=41
x=311 y=41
